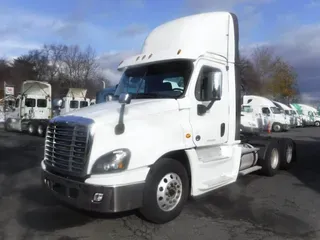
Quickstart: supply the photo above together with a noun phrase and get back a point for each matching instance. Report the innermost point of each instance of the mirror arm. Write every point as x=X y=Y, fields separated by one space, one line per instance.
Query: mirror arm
x=120 y=127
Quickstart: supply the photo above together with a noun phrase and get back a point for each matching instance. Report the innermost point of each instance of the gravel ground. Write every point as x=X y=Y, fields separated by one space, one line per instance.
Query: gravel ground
x=282 y=207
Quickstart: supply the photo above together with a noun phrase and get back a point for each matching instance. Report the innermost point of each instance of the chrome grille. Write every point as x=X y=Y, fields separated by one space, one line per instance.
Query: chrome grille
x=66 y=147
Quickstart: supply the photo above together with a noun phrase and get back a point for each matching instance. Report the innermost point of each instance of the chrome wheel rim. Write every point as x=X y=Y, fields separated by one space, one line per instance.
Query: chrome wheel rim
x=274 y=158
x=289 y=153
x=169 y=192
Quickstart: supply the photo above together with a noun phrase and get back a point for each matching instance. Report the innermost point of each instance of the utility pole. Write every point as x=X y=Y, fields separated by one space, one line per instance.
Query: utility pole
x=104 y=84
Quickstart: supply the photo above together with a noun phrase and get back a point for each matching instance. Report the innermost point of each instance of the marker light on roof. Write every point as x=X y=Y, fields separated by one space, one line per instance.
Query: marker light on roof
x=179 y=51
x=143 y=57
x=137 y=58
x=150 y=55
x=120 y=63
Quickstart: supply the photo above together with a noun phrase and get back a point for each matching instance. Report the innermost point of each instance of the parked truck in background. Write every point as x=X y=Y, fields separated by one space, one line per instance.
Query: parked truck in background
x=32 y=108
x=295 y=119
x=155 y=145
x=268 y=112
x=309 y=114
x=103 y=95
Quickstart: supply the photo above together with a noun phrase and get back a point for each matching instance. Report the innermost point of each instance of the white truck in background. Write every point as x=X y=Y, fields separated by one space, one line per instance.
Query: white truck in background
x=151 y=148
x=74 y=100
x=309 y=114
x=295 y=119
x=268 y=112
x=33 y=107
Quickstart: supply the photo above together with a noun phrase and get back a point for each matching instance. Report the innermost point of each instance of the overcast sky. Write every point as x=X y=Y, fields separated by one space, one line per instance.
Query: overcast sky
x=117 y=28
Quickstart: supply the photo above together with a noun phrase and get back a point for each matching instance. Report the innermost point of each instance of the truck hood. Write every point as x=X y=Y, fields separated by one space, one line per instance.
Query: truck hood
x=108 y=112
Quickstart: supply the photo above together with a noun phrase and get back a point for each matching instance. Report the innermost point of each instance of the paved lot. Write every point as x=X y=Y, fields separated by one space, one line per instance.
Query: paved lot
x=286 y=206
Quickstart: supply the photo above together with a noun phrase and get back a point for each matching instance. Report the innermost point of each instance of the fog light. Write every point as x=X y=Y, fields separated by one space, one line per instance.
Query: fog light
x=97 y=197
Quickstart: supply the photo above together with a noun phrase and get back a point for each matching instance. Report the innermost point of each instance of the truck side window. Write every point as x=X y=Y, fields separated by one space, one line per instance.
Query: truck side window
x=209 y=80
x=265 y=110
x=30 y=102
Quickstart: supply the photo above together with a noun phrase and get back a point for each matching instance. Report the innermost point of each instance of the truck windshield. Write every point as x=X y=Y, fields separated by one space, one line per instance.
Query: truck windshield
x=30 y=102
x=83 y=104
x=74 y=104
x=159 y=80
x=275 y=110
x=41 y=103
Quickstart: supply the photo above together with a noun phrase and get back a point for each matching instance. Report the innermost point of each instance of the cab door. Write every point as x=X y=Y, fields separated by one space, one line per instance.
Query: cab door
x=210 y=128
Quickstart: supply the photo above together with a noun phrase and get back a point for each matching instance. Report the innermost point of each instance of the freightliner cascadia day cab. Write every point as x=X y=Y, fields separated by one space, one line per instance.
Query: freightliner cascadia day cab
x=154 y=145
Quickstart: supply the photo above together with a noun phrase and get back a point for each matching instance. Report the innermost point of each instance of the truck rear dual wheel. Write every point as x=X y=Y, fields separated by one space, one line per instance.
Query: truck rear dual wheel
x=166 y=191
x=32 y=129
x=288 y=154
x=271 y=162
x=7 y=125
x=278 y=154
x=41 y=130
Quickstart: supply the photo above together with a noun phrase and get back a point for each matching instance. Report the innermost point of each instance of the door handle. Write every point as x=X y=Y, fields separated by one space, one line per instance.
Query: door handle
x=222 y=129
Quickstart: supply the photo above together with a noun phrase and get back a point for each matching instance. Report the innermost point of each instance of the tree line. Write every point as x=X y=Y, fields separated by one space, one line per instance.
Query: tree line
x=262 y=72
x=61 y=65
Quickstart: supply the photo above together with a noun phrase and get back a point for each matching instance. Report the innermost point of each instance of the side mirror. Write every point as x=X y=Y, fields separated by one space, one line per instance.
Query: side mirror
x=125 y=98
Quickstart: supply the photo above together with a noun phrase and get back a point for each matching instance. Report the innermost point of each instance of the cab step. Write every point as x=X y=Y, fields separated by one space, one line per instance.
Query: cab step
x=249 y=170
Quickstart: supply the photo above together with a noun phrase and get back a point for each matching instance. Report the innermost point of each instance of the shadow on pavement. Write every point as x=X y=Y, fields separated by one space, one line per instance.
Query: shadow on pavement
x=307 y=166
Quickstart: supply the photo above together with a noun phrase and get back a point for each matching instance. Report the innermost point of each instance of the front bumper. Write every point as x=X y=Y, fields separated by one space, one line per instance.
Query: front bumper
x=80 y=195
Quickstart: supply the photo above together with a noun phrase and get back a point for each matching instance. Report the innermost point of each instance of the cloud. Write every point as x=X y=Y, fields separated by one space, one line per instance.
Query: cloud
x=218 y=5
x=109 y=62
x=313 y=3
x=133 y=30
x=301 y=48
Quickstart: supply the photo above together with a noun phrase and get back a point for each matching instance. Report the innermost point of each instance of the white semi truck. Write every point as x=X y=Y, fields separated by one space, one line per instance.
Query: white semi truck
x=32 y=108
x=309 y=114
x=268 y=112
x=154 y=145
x=295 y=119
x=75 y=99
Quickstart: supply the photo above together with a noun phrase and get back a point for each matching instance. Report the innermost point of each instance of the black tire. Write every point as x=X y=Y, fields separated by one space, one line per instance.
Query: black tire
x=267 y=162
x=317 y=123
x=41 y=130
x=151 y=209
x=7 y=125
x=287 y=159
x=276 y=127
x=32 y=129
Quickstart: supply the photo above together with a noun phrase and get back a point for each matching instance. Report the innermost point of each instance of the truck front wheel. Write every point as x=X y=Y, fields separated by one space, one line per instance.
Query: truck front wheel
x=276 y=127
x=166 y=191
x=317 y=124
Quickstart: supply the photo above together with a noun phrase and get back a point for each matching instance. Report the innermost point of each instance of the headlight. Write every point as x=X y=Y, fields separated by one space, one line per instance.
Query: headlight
x=115 y=161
